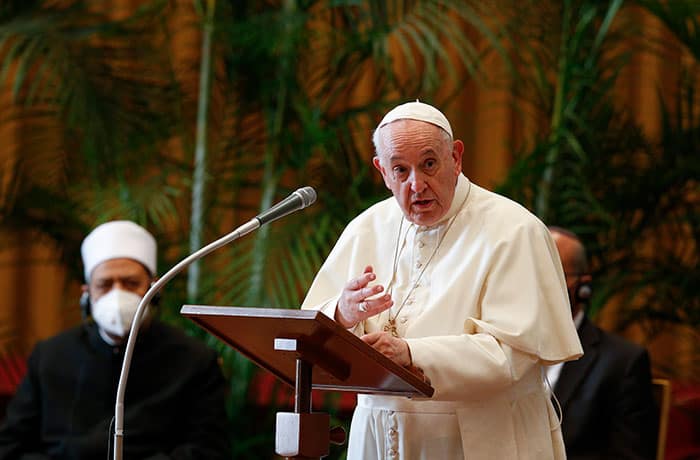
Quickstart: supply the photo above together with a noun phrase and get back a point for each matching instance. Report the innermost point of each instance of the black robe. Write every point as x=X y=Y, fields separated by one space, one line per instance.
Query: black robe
x=63 y=408
x=607 y=400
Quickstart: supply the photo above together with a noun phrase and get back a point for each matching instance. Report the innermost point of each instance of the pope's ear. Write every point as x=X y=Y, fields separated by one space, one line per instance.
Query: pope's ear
x=378 y=165
x=457 y=153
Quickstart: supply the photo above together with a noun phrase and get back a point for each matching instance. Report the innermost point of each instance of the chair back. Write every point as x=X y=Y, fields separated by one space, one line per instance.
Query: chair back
x=662 y=396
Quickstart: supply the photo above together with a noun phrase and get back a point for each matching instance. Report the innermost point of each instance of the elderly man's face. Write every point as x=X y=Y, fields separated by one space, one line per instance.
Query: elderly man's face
x=125 y=274
x=420 y=167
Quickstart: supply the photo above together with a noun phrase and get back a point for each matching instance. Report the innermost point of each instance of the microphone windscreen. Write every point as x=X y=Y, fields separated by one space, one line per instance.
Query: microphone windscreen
x=308 y=195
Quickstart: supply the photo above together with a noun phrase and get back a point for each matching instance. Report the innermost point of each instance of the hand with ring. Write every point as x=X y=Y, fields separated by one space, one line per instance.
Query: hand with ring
x=355 y=304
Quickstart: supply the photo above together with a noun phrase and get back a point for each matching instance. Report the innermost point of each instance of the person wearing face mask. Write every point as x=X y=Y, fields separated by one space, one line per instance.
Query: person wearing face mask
x=174 y=403
x=456 y=281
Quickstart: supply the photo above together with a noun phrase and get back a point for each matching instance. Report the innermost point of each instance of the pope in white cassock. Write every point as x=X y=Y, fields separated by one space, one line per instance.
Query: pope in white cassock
x=458 y=282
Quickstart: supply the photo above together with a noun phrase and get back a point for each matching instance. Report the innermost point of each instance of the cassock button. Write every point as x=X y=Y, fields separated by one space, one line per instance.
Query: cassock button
x=403 y=320
x=419 y=264
x=392 y=453
x=421 y=244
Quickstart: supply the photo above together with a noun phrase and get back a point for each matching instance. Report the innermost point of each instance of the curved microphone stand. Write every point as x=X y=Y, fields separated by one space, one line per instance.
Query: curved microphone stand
x=299 y=199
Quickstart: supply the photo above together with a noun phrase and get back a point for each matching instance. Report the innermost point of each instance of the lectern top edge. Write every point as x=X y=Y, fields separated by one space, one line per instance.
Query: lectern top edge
x=253 y=331
x=260 y=312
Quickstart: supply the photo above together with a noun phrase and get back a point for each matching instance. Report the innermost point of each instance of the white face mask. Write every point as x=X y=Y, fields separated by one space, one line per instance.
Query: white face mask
x=115 y=311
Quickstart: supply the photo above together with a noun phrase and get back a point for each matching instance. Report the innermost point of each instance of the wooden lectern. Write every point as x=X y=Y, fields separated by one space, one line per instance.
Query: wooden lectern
x=307 y=350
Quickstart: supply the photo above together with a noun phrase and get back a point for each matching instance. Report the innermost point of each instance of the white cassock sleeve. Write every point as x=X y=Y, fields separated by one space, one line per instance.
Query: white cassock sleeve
x=522 y=320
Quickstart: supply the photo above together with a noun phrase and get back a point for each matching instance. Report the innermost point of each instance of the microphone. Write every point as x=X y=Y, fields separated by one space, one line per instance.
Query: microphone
x=299 y=199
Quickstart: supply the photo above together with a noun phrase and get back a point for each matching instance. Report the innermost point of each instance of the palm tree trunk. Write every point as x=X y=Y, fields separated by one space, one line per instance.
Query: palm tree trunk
x=199 y=180
x=543 y=197
x=270 y=174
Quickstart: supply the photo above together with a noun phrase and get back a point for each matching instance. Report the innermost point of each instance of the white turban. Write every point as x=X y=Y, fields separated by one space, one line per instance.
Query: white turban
x=115 y=240
x=417 y=111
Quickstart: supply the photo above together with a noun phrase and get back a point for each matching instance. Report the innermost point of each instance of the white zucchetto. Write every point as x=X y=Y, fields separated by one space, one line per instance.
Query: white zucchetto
x=417 y=111
x=115 y=240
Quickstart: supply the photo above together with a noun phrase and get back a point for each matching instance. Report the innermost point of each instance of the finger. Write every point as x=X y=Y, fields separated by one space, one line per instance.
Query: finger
x=371 y=338
x=368 y=269
x=366 y=292
x=361 y=281
x=379 y=304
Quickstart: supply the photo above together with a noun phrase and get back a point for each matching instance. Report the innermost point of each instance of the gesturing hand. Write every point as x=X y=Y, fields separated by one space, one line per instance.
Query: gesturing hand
x=355 y=305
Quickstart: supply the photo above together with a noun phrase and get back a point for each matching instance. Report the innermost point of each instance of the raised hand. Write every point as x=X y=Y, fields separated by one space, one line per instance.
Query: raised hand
x=355 y=303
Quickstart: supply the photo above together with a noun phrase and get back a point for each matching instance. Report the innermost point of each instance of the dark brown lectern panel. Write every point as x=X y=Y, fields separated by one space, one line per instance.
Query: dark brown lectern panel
x=341 y=361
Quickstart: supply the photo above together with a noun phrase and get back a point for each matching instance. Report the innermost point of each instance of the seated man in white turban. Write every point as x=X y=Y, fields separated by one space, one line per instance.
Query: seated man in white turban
x=174 y=403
